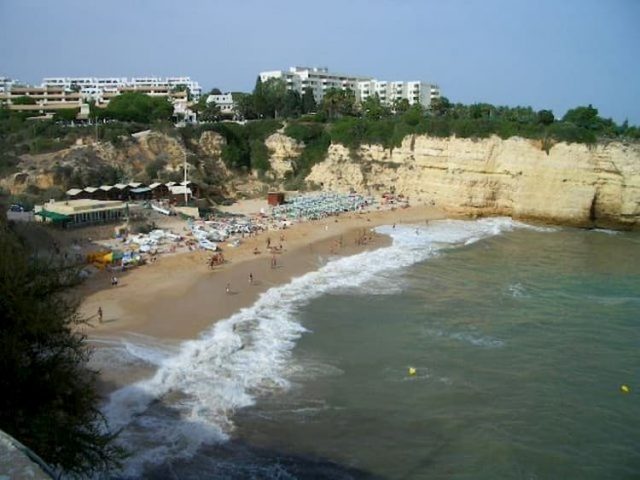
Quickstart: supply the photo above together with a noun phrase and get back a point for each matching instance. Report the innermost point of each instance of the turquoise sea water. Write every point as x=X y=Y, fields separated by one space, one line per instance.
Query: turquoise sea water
x=521 y=338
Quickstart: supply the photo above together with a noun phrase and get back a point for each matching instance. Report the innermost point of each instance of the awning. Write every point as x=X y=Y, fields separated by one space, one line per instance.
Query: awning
x=140 y=190
x=53 y=216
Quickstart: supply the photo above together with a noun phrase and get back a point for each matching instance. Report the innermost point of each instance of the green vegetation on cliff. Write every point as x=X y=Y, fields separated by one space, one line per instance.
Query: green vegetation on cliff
x=137 y=107
x=579 y=125
x=337 y=119
x=245 y=149
x=316 y=139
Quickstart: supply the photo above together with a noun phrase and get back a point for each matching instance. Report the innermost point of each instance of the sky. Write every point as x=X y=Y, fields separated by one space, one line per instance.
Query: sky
x=554 y=54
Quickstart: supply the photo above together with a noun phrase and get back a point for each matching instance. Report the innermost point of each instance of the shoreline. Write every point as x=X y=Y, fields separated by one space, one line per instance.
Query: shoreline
x=179 y=298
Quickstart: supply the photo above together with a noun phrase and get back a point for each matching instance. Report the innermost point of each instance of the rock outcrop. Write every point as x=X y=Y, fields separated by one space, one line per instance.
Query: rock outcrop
x=572 y=184
x=210 y=145
x=283 y=150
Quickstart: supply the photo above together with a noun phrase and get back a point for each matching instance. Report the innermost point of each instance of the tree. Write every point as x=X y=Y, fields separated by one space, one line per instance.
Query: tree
x=210 y=113
x=523 y=115
x=585 y=117
x=308 y=101
x=23 y=100
x=49 y=400
x=373 y=109
x=413 y=116
x=67 y=114
x=545 y=117
x=480 y=110
x=291 y=105
x=400 y=105
x=338 y=103
x=138 y=107
x=274 y=91
x=440 y=106
x=259 y=99
x=245 y=105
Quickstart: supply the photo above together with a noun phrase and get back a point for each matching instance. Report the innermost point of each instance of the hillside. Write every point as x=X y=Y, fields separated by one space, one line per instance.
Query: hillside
x=577 y=184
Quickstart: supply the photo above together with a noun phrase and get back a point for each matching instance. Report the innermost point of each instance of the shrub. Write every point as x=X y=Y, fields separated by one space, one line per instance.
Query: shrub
x=570 y=133
x=259 y=156
x=304 y=131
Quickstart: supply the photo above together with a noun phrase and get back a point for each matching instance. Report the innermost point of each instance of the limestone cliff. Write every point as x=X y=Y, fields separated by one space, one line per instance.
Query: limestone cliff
x=572 y=184
x=282 y=150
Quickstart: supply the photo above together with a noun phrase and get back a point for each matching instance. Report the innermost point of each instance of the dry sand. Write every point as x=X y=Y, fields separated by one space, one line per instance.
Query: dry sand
x=178 y=297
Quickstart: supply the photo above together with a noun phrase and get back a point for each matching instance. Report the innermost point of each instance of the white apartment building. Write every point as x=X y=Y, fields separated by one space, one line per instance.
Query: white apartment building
x=319 y=79
x=96 y=87
x=225 y=102
x=388 y=92
x=56 y=93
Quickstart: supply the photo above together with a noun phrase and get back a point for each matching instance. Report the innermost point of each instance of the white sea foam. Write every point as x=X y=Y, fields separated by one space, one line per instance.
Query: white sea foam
x=193 y=394
x=517 y=290
x=606 y=231
x=471 y=338
x=477 y=340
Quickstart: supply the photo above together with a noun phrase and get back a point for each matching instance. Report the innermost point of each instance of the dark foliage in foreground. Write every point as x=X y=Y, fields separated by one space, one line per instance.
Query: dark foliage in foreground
x=48 y=400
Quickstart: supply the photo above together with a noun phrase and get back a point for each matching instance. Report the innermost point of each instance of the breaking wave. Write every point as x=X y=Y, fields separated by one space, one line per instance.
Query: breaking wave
x=191 y=398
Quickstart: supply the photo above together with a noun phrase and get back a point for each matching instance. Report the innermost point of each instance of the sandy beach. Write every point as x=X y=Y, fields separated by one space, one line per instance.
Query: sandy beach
x=179 y=296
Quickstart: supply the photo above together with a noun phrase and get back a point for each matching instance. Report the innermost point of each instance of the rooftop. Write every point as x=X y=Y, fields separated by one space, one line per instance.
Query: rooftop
x=73 y=207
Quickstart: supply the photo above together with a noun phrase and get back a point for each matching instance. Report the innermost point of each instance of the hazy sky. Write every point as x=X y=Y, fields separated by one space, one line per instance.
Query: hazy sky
x=545 y=53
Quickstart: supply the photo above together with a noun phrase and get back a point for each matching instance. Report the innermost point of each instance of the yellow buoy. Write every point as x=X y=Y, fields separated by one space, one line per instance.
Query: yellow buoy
x=625 y=389
x=412 y=371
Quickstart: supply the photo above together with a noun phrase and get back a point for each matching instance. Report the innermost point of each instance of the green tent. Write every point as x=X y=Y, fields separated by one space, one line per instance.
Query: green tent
x=53 y=216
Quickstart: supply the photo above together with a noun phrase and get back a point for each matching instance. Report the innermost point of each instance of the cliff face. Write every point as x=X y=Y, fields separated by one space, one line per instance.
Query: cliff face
x=282 y=150
x=573 y=184
x=83 y=162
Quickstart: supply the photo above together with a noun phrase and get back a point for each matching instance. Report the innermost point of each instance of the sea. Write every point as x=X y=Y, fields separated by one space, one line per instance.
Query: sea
x=467 y=349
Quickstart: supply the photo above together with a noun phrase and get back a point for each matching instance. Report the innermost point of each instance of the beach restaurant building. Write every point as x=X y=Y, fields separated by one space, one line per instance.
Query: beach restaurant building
x=76 y=213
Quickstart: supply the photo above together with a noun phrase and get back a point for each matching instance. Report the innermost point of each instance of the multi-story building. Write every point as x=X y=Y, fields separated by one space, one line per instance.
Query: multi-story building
x=389 y=92
x=40 y=99
x=319 y=80
x=95 y=87
x=225 y=102
x=56 y=93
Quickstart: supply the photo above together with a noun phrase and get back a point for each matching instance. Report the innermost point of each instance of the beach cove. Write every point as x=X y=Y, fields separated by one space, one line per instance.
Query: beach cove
x=501 y=323
x=179 y=296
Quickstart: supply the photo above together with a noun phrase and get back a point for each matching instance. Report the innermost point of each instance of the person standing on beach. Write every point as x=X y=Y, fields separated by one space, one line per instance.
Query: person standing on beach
x=100 y=314
x=250 y=278
x=228 y=289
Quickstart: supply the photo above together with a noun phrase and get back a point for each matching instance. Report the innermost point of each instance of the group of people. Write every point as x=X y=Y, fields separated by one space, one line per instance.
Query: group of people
x=215 y=259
